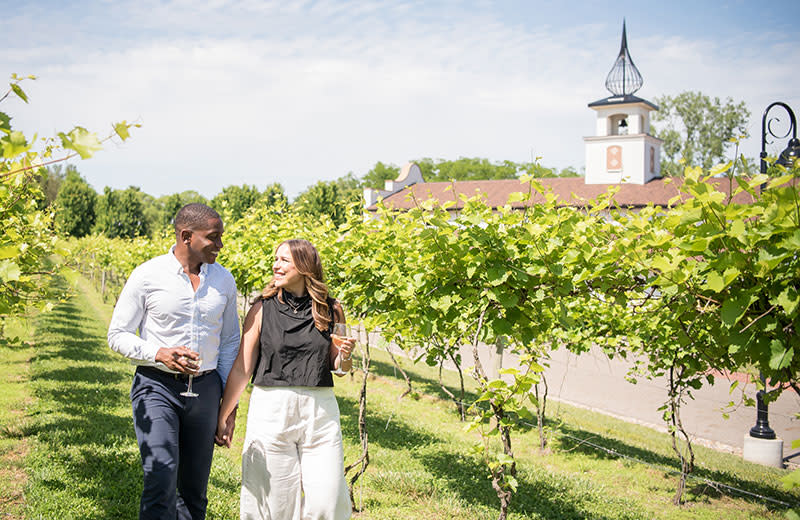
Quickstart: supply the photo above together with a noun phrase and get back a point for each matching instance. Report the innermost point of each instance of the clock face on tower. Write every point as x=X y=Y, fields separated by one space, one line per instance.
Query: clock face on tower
x=614 y=158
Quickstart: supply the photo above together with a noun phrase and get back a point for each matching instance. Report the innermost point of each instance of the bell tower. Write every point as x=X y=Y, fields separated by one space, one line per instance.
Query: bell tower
x=622 y=149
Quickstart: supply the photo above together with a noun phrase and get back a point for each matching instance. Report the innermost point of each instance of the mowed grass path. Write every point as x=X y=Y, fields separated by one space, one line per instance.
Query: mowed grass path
x=81 y=460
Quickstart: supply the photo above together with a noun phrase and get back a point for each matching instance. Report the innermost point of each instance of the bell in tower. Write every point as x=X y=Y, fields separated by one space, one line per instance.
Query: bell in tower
x=622 y=150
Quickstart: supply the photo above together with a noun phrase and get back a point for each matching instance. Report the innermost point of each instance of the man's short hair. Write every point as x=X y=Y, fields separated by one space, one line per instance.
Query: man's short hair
x=194 y=216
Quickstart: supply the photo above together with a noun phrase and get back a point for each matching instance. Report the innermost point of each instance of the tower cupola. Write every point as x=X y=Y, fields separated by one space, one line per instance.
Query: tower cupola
x=622 y=149
x=624 y=78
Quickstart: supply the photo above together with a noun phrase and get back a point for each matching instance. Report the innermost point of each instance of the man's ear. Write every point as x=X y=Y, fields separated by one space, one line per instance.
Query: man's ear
x=186 y=235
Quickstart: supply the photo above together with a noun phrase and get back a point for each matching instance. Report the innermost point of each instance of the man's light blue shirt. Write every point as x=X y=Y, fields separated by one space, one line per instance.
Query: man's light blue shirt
x=159 y=302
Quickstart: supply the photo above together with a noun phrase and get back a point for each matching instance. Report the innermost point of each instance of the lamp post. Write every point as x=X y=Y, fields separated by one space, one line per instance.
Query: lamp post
x=792 y=151
x=761 y=430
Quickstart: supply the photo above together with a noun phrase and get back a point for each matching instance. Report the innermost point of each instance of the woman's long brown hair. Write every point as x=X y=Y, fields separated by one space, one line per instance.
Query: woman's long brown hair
x=308 y=263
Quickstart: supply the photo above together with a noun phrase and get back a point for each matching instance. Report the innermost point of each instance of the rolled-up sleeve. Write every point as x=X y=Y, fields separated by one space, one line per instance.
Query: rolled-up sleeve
x=229 y=335
x=127 y=319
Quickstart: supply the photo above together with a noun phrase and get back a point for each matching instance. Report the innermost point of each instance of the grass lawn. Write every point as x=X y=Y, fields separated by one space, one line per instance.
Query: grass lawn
x=15 y=396
x=74 y=452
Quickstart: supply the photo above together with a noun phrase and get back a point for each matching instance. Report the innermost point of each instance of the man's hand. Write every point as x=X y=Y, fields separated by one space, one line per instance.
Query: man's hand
x=179 y=359
x=224 y=435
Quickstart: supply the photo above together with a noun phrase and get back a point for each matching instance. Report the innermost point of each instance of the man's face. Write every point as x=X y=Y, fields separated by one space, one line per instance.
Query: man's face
x=205 y=242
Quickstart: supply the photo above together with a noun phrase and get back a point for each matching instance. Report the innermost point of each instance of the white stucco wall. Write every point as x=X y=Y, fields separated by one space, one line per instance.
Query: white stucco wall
x=635 y=159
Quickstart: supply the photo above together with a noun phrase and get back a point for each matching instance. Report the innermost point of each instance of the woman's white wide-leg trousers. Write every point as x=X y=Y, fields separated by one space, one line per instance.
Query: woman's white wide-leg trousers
x=292 y=462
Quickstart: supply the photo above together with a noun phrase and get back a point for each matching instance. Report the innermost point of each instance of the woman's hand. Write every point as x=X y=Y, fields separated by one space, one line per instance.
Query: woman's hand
x=346 y=348
x=225 y=427
x=343 y=362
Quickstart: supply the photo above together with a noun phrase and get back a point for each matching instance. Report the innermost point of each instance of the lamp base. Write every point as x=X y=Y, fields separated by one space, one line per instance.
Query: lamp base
x=768 y=452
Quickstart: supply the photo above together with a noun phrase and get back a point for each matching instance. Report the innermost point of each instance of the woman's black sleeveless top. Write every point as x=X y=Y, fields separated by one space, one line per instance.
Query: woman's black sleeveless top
x=293 y=351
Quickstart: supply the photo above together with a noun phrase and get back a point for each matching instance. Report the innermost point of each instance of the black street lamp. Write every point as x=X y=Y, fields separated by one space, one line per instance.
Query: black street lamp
x=792 y=151
x=787 y=157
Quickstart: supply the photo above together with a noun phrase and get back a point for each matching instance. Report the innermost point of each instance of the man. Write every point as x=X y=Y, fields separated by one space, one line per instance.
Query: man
x=184 y=306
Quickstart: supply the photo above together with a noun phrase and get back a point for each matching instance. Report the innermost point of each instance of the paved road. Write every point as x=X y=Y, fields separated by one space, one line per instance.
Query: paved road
x=595 y=382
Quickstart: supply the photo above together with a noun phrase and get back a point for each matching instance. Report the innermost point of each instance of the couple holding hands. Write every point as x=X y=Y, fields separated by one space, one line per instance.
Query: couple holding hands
x=193 y=365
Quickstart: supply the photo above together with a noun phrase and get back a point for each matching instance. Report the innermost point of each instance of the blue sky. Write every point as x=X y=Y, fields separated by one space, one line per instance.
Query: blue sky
x=294 y=92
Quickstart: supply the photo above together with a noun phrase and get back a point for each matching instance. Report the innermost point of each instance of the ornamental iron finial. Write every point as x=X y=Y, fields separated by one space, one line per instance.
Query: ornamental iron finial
x=624 y=78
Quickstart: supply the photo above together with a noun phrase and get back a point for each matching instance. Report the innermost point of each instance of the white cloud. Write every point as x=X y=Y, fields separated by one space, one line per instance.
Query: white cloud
x=259 y=92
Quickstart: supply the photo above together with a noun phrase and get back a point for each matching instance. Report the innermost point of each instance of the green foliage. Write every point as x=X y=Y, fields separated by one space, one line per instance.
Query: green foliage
x=274 y=195
x=120 y=213
x=379 y=174
x=708 y=283
x=50 y=179
x=468 y=169
x=697 y=130
x=117 y=257
x=421 y=464
x=325 y=198
x=250 y=242
x=27 y=240
x=727 y=271
x=235 y=201
x=167 y=206
x=569 y=171
x=75 y=206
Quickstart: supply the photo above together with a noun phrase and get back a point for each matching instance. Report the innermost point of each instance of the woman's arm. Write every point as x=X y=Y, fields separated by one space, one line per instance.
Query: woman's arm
x=340 y=357
x=240 y=373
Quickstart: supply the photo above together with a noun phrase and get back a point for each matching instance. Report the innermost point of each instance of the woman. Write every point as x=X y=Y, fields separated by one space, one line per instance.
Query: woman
x=292 y=462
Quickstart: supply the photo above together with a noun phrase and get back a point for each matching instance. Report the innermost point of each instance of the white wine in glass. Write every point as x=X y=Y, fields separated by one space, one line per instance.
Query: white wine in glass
x=338 y=336
x=188 y=392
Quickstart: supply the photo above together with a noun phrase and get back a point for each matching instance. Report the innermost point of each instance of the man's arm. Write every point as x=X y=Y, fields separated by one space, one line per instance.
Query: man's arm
x=126 y=320
x=127 y=317
x=229 y=336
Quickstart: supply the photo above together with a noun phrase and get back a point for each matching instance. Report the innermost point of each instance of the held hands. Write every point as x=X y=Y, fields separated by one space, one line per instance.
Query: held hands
x=179 y=359
x=225 y=427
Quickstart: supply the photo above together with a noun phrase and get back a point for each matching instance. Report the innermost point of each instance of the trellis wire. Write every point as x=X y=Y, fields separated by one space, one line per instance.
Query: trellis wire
x=716 y=485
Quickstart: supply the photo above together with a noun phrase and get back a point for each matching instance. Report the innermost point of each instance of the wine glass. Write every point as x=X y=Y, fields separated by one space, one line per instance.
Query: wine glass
x=338 y=336
x=188 y=392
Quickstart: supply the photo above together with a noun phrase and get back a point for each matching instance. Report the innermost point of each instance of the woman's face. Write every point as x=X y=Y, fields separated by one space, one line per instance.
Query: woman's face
x=285 y=273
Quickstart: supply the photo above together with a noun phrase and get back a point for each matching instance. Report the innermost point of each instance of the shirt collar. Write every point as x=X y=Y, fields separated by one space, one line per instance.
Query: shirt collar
x=176 y=265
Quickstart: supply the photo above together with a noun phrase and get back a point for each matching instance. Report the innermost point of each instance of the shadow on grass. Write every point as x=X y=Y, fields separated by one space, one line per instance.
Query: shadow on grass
x=82 y=428
x=458 y=473
x=465 y=476
x=542 y=496
x=225 y=483
x=384 y=429
x=694 y=487
x=73 y=335
x=420 y=382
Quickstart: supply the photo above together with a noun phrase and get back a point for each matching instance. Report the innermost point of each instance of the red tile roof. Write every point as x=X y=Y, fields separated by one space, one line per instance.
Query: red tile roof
x=571 y=191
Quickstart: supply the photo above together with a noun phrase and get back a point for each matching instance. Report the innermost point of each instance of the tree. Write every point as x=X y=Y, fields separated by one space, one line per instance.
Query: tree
x=151 y=210
x=75 y=205
x=120 y=213
x=468 y=169
x=378 y=175
x=169 y=205
x=27 y=240
x=50 y=179
x=274 y=195
x=350 y=188
x=569 y=171
x=697 y=129
x=234 y=201
x=322 y=198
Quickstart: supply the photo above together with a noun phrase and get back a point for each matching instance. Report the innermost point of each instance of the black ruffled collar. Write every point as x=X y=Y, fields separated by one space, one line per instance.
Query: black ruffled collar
x=296 y=304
